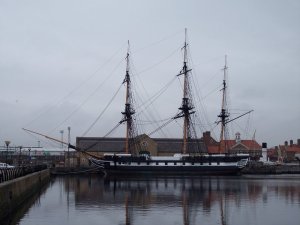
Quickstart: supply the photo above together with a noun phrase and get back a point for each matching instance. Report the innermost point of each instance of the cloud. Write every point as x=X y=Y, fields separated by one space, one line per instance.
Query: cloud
x=56 y=54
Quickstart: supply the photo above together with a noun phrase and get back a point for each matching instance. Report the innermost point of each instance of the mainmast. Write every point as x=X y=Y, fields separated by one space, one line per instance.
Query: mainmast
x=186 y=105
x=129 y=111
x=224 y=111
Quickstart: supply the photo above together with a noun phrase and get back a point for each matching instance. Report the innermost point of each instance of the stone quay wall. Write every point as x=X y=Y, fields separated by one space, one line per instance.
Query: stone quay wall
x=260 y=168
x=14 y=192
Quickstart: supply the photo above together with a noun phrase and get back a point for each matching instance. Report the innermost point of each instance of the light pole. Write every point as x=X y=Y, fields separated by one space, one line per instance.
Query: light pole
x=62 y=146
x=7 y=144
x=20 y=155
x=69 y=141
x=29 y=156
x=62 y=138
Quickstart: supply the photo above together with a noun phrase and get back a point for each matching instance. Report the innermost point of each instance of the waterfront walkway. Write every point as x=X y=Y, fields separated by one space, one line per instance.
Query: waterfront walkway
x=19 y=184
x=7 y=174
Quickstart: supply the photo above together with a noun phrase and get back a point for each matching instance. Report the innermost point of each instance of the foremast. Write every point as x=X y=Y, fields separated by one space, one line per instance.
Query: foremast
x=187 y=105
x=129 y=110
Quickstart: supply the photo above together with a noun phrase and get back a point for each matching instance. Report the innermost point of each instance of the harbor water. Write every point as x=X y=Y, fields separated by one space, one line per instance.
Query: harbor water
x=92 y=199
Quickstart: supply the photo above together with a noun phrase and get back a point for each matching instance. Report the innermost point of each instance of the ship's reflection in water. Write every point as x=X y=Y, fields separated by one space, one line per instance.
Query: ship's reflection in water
x=191 y=200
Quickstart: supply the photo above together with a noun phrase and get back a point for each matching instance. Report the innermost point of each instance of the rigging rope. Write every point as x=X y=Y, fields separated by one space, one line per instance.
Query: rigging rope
x=199 y=101
x=153 y=113
x=159 y=41
x=144 y=106
x=155 y=96
x=153 y=121
x=42 y=140
x=103 y=111
x=159 y=62
x=74 y=89
x=115 y=127
x=157 y=129
x=86 y=99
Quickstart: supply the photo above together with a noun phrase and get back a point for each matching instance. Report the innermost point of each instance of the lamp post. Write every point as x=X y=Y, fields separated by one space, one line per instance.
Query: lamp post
x=29 y=149
x=62 y=137
x=62 y=146
x=69 y=141
x=7 y=144
x=20 y=155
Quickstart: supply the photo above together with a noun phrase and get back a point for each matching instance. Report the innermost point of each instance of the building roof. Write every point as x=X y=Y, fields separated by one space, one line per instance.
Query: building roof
x=286 y=148
x=249 y=144
x=246 y=145
x=214 y=146
x=164 y=145
x=101 y=144
x=290 y=148
x=171 y=145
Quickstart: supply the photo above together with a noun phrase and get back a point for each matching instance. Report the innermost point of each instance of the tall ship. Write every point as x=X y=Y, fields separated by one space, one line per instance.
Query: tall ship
x=137 y=160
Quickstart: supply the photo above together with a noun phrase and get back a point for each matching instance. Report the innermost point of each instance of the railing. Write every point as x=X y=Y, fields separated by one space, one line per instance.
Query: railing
x=12 y=173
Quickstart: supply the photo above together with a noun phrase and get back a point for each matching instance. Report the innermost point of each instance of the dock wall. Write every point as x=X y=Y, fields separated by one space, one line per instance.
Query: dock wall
x=257 y=168
x=14 y=192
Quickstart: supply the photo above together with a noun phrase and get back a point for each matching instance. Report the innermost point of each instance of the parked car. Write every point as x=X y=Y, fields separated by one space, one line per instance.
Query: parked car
x=5 y=165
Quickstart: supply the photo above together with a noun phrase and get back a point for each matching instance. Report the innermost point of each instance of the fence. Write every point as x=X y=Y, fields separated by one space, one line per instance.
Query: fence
x=12 y=173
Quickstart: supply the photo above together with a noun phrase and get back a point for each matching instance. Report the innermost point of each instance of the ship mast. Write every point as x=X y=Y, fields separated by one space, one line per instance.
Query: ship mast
x=224 y=111
x=224 y=114
x=186 y=105
x=129 y=111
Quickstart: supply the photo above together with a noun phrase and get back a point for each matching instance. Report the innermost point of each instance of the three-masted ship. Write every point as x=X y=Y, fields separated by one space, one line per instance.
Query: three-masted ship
x=137 y=161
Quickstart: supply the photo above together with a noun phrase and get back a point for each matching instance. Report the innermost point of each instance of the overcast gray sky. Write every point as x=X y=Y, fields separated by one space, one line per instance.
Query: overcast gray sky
x=61 y=62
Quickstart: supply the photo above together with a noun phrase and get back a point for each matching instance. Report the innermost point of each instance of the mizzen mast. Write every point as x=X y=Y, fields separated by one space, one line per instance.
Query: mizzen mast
x=129 y=111
x=186 y=106
x=224 y=114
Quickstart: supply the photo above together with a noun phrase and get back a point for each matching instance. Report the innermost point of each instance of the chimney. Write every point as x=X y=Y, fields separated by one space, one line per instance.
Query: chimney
x=286 y=143
x=206 y=137
x=298 y=142
x=264 y=152
x=206 y=134
x=291 y=143
x=238 y=137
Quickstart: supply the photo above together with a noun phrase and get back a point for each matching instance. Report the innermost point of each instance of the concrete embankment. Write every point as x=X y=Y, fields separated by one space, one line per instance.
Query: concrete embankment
x=14 y=192
x=74 y=170
x=260 y=168
x=252 y=168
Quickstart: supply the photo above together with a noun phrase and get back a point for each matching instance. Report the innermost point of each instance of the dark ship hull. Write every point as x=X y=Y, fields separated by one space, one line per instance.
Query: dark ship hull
x=187 y=165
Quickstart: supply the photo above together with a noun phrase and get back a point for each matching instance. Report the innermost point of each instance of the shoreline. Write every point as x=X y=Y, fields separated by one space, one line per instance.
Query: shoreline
x=261 y=168
x=253 y=168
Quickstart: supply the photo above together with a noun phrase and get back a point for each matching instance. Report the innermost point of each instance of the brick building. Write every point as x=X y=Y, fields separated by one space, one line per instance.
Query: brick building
x=233 y=146
x=286 y=152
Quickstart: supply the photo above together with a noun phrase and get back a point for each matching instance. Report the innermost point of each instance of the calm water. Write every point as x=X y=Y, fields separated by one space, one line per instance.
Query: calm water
x=247 y=200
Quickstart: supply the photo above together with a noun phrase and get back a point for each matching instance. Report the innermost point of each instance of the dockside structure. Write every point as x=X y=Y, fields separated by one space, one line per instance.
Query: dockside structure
x=165 y=146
